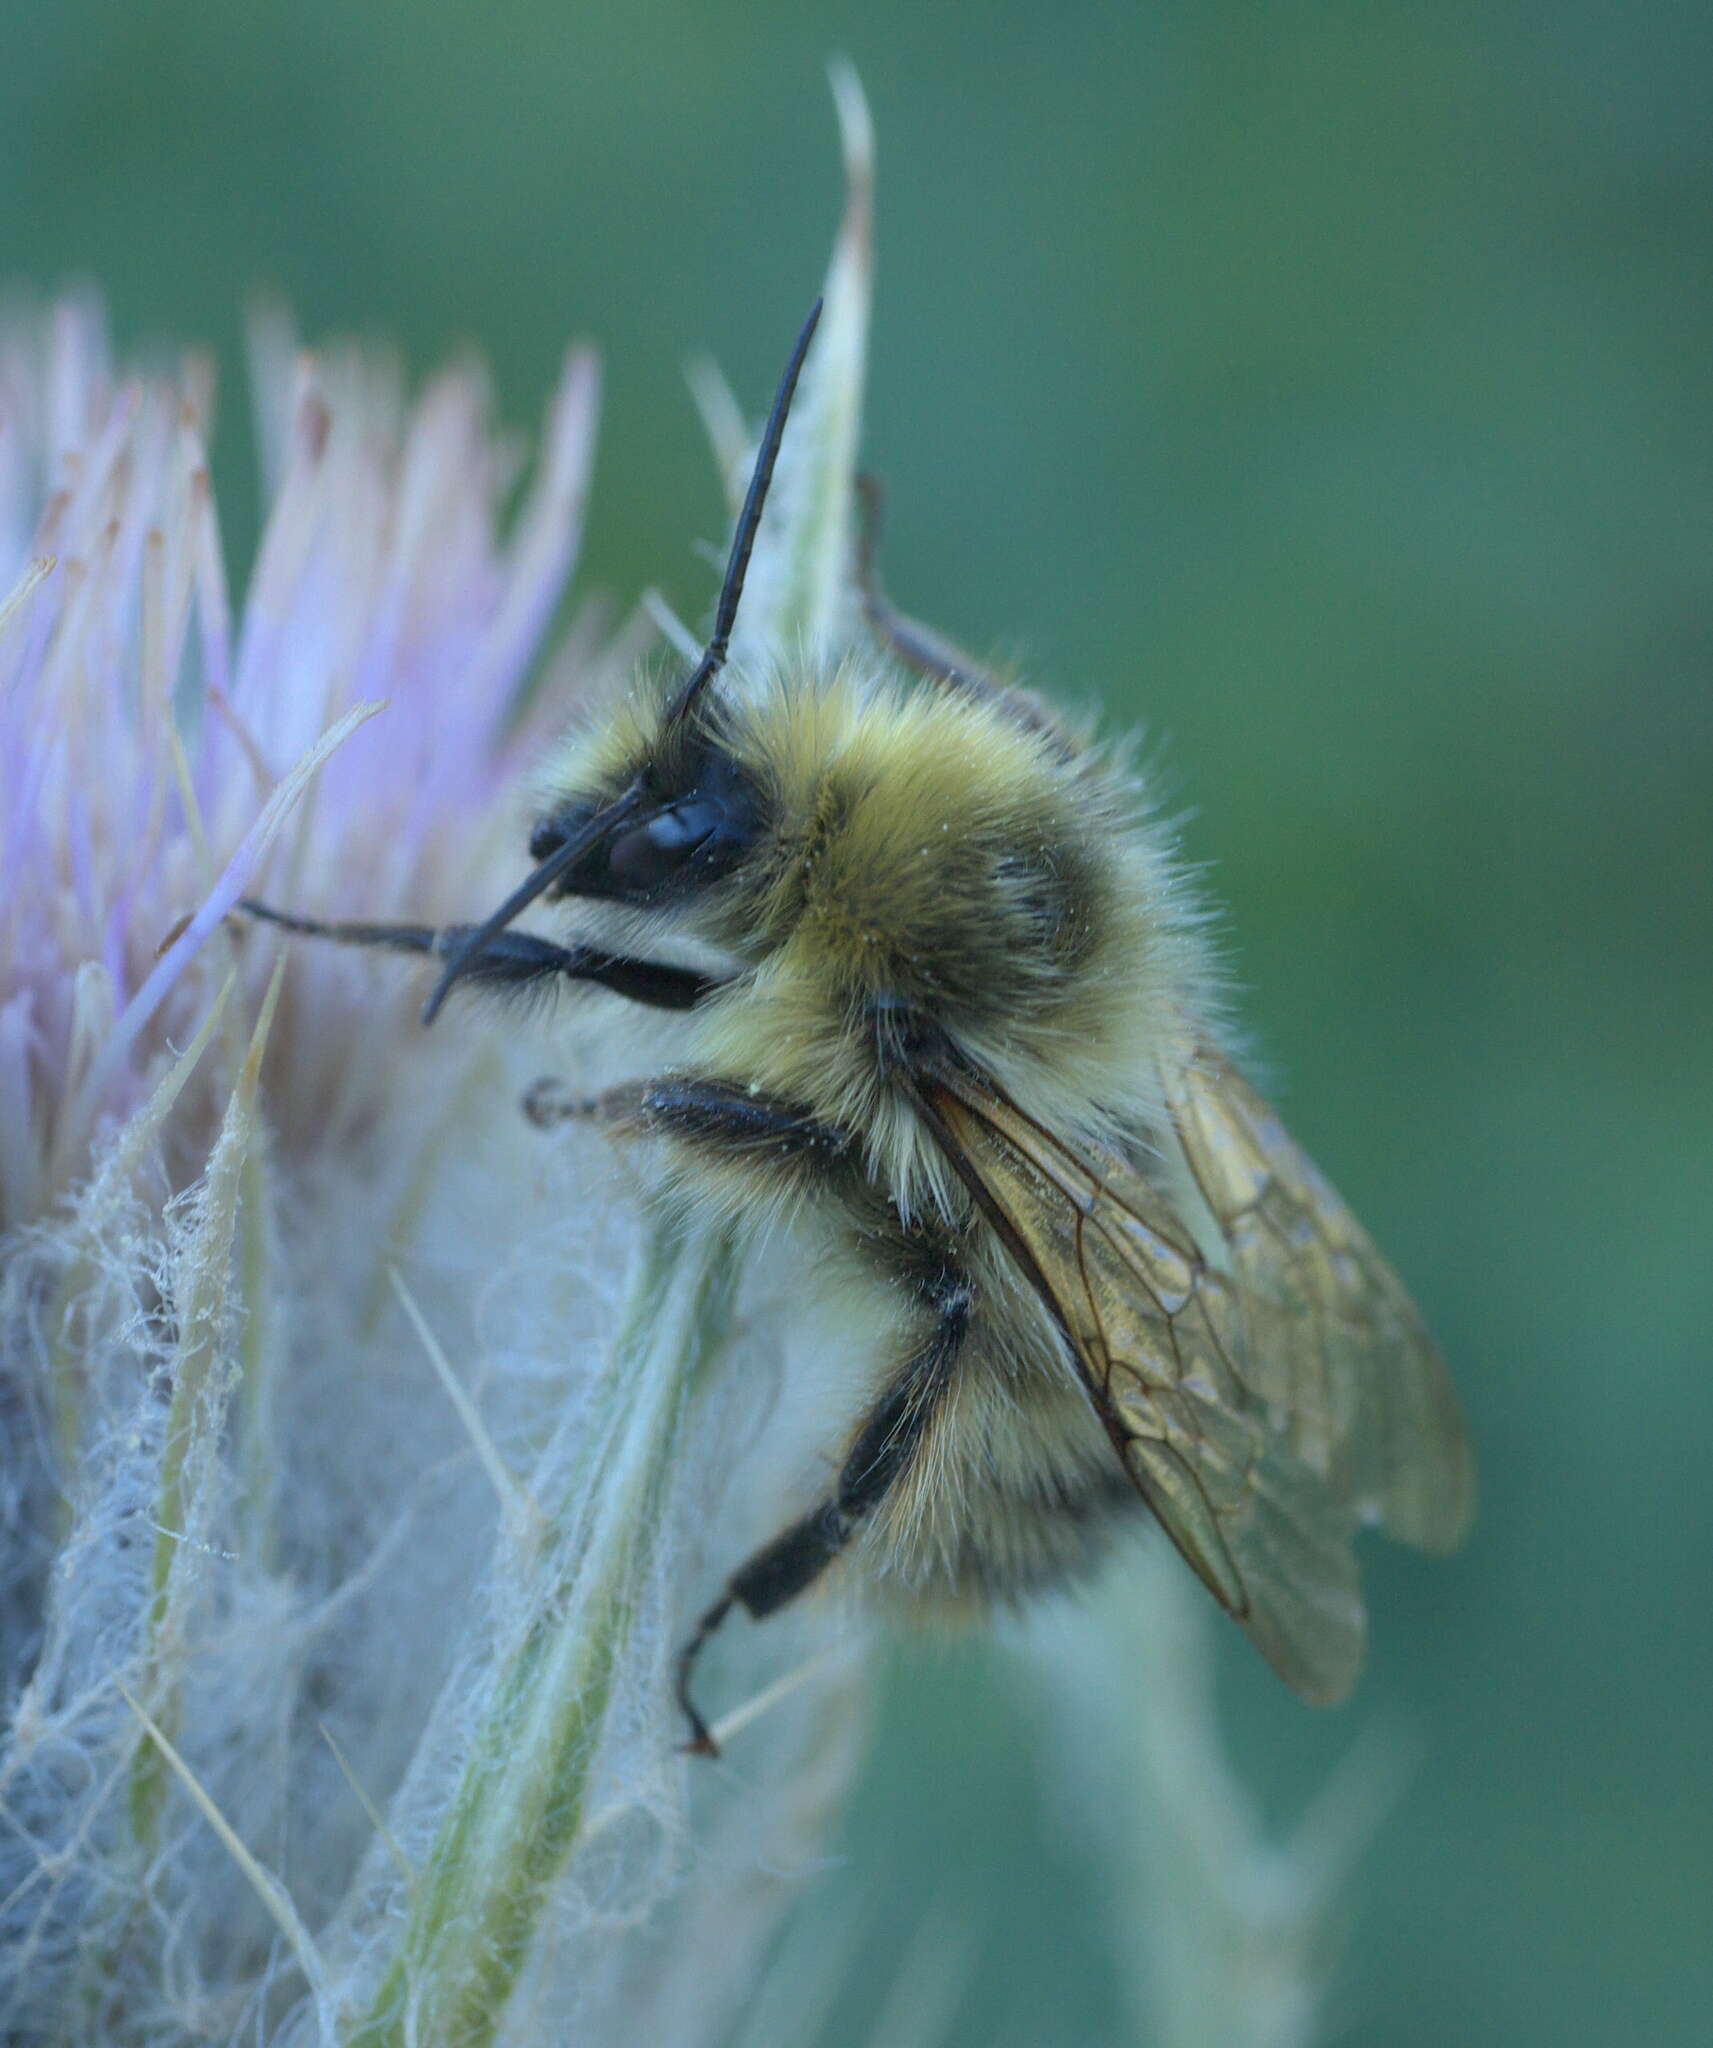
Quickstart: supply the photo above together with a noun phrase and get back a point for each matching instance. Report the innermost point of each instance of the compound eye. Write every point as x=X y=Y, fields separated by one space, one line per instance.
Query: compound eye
x=653 y=852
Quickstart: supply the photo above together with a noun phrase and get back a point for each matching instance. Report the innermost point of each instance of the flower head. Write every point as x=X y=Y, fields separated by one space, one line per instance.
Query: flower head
x=153 y=744
x=348 y=1518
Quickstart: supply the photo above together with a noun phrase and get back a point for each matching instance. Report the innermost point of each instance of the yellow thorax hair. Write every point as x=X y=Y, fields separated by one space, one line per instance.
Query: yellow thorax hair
x=923 y=849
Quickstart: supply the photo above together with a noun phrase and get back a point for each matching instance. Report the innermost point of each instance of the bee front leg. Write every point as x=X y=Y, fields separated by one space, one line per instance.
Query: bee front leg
x=511 y=960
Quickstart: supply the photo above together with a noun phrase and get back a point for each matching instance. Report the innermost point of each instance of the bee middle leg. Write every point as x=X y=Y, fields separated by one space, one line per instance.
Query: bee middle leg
x=719 y=1119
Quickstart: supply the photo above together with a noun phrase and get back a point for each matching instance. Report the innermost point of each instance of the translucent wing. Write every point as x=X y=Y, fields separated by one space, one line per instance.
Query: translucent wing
x=1254 y=1487
x=1335 y=1346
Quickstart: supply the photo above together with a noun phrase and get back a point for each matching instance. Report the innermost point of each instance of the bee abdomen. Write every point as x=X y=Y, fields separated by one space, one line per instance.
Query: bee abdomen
x=1015 y=1491
x=1004 y=1547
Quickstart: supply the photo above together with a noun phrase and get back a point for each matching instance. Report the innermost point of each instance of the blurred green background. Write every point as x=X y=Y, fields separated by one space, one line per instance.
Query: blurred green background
x=1328 y=386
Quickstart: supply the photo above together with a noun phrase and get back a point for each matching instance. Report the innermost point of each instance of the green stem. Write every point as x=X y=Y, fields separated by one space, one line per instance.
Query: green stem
x=521 y=1802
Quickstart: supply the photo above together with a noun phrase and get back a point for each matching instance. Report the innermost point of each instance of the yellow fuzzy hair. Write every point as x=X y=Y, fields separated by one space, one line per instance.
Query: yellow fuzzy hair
x=925 y=851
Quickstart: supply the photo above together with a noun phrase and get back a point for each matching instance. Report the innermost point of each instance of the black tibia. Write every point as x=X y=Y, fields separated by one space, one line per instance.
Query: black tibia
x=717 y=1117
x=727 y=1118
x=890 y=1437
x=513 y=960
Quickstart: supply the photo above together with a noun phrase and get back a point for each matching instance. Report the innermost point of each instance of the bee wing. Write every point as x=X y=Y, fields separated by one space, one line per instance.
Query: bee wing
x=1336 y=1348
x=1254 y=1498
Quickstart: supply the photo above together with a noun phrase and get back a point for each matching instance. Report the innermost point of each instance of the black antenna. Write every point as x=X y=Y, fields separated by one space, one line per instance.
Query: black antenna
x=543 y=877
x=749 y=520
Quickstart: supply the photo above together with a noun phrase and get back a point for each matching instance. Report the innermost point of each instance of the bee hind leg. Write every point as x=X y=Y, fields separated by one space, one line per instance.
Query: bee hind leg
x=928 y=653
x=784 y=1146
x=886 y=1443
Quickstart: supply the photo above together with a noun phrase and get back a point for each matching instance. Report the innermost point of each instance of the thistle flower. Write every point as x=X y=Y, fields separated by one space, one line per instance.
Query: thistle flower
x=361 y=1453
x=347 y=1501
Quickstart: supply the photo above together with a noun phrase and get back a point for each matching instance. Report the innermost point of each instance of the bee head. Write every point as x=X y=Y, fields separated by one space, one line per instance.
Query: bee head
x=684 y=819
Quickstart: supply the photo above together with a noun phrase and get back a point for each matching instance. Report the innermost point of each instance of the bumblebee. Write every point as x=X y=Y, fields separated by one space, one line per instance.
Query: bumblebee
x=968 y=1015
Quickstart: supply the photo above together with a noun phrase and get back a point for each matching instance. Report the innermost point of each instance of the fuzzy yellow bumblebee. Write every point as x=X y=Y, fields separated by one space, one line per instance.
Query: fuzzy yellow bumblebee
x=967 y=1013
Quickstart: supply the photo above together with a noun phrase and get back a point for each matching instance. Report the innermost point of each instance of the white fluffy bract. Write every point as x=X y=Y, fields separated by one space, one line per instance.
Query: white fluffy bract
x=362 y=1451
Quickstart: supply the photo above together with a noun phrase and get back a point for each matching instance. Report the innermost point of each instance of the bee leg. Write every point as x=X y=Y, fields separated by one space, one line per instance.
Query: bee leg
x=511 y=960
x=928 y=653
x=726 y=1119
x=720 y=1119
x=548 y=1102
x=887 y=1441
x=919 y=647
x=784 y=1143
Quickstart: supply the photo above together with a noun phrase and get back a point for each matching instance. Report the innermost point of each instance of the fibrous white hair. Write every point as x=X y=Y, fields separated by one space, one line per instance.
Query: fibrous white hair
x=366 y=1453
